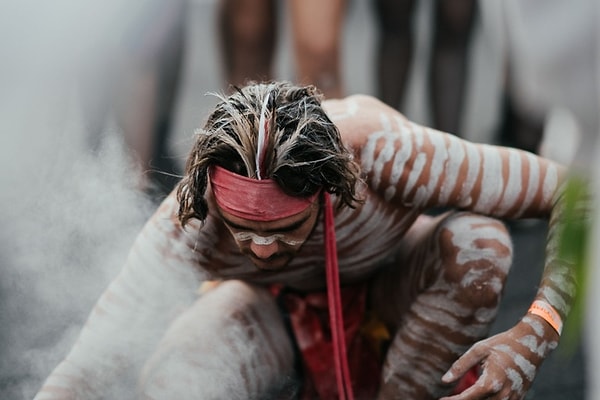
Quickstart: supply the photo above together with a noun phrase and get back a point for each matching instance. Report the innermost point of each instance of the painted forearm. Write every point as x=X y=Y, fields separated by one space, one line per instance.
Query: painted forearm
x=559 y=285
x=421 y=167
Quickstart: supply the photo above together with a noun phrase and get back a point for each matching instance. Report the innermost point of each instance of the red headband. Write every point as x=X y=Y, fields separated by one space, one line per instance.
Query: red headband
x=253 y=199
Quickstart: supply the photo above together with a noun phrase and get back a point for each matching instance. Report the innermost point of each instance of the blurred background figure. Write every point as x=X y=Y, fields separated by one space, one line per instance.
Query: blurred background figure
x=136 y=81
x=452 y=26
x=248 y=31
x=552 y=73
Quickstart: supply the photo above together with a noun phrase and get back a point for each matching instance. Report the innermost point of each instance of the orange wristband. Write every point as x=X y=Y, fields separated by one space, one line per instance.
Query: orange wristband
x=548 y=313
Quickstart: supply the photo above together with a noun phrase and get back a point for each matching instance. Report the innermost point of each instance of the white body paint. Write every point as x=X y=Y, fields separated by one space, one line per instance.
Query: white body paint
x=265 y=240
x=408 y=168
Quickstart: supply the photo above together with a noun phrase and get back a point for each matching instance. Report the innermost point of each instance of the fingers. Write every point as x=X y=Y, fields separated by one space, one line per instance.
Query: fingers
x=477 y=391
x=472 y=357
x=488 y=386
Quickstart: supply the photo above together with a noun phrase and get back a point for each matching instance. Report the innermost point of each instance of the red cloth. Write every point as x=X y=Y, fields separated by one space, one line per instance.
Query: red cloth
x=310 y=323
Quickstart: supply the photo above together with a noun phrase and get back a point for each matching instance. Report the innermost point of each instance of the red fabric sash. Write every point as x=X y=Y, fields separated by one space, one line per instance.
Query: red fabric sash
x=336 y=317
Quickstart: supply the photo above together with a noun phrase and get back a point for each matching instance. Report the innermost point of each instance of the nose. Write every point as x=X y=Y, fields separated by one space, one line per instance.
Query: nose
x=264 y=251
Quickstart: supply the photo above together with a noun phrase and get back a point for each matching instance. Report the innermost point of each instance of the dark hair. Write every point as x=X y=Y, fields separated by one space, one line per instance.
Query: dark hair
x=304 y=151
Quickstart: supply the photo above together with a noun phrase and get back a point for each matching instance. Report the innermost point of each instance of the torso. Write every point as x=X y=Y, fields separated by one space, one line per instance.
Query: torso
x=367 y=238
x=407 y=168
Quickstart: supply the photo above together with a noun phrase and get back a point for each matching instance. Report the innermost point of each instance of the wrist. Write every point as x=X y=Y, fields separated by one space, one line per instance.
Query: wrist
x=548 y=313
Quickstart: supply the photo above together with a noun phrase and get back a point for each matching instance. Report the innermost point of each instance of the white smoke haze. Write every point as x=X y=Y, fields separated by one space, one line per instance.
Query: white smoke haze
x=68 y=213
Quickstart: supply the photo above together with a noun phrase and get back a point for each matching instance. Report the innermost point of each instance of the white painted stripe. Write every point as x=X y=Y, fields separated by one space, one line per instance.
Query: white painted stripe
x=513 y=188
x=492 y=181
x=533 y=183
x=473 y=159
x=452 y=169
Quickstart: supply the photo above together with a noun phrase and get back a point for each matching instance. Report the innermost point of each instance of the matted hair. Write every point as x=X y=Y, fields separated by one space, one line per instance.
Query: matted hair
x=303 y=148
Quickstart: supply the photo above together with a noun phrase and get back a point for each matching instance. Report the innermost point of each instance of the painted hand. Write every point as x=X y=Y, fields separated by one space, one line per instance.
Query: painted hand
x=509 y=361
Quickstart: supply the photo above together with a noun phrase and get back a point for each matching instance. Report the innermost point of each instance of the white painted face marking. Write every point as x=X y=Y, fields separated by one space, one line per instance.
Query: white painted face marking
x=265 y=240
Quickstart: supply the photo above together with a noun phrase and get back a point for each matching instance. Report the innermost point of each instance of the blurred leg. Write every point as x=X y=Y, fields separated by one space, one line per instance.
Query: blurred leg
x=453 y=23
x=395 y=48
x=148 y=89
x=247 y=29
x=317 y=31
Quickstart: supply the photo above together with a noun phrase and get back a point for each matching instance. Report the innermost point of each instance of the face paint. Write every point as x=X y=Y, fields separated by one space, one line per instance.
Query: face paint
x=265 y=240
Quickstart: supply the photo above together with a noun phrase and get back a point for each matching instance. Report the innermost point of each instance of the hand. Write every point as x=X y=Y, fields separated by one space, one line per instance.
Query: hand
x=509 y=361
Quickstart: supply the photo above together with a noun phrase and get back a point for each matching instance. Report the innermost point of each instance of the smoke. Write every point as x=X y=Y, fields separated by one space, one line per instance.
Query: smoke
x=68 y=213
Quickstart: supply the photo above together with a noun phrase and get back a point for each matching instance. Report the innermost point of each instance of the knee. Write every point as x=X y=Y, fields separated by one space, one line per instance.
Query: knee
x=476 y=254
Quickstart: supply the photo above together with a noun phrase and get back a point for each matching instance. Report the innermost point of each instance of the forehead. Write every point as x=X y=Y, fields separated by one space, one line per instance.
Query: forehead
x=283 y=224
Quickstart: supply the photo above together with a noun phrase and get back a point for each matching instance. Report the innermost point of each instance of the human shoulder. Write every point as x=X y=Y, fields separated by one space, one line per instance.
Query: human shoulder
x=351 y=104
x=358 y=116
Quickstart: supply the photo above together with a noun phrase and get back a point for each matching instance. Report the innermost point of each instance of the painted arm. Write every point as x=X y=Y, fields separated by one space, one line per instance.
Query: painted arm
x=414 y=166
x=159 y=279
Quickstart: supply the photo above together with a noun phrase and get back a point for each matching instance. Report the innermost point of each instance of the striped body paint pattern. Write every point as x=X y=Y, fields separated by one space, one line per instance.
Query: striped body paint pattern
x=422 y=167
x=444 y=277
x=444 y=301
x=413 y=166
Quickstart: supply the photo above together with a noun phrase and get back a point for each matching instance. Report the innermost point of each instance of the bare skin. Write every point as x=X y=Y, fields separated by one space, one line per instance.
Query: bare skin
x=436 y=282
x=248 y=30
x=452 y=23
